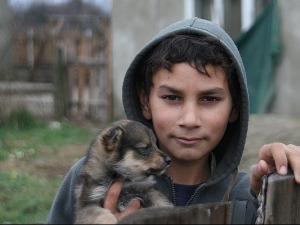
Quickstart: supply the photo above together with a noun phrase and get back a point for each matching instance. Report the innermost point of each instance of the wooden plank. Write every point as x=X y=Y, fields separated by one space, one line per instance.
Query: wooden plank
x=210 y=213
x=92 y=84
x=92 y=107
x=282 y=200
x=81 y=87
x=71 y=83
x=61 y=87
x=108 y=74
x=86 y=61
x=30 y=48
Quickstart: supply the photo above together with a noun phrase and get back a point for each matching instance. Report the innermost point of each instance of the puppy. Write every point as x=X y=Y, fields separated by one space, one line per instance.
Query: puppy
x=124 y=150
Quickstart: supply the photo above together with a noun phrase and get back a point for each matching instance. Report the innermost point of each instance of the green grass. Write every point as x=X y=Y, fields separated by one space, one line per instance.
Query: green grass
x=25 y=199
x=17 y=142
x=21 y=133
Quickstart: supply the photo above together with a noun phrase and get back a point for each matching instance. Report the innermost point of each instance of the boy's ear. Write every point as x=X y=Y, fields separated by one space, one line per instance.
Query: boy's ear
x=145 y=105
x=234 y=114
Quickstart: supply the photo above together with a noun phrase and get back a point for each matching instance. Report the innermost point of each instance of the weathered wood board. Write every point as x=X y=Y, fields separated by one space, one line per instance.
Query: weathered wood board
x=210 y=213
x=282 y=200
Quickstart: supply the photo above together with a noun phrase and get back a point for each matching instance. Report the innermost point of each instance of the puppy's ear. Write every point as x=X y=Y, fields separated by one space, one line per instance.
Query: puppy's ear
x=112 y=138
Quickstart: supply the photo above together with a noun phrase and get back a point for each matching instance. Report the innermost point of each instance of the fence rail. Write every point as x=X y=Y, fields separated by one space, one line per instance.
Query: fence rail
x=281 y=206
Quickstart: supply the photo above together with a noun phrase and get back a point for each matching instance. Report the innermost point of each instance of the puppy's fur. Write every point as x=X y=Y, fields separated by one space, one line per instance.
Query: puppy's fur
x=124 y=150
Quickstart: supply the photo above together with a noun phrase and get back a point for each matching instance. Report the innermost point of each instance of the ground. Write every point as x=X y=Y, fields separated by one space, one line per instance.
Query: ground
x=50 y=162
x=262 y=129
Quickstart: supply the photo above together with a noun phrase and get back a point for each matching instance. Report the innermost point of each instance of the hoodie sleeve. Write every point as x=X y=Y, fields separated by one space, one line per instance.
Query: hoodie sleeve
x=245 y=204
x=62 y=209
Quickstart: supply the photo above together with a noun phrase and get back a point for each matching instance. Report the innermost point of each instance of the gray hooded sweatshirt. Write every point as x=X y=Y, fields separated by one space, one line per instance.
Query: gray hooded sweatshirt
x=228 y=153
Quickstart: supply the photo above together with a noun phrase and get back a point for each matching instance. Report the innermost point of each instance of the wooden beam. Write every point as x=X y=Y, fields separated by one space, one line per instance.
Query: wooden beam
x=282 y=200
x=210 y=213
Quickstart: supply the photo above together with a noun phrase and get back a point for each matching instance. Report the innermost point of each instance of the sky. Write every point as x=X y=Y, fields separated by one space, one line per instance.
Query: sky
x=23 y=4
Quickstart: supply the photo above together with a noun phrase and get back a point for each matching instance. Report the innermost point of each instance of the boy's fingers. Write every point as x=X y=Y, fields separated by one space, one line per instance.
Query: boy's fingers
x=112 y=196
x=293 y=154
x=135 y=205
x=283 y=156
x=275 y=156
x=272 y=157
x=257 y=174
x=111 y=201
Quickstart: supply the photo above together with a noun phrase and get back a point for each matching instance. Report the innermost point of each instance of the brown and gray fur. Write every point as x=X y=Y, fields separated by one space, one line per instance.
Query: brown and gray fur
x=124 y=150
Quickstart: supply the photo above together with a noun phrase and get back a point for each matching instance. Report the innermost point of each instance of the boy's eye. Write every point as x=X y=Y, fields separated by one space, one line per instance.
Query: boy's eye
x=209 y=99
x=171 y=98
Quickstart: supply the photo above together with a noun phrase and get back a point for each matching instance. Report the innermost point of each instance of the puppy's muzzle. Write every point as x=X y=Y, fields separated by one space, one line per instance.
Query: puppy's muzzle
x=168 y=160
x=160 y=170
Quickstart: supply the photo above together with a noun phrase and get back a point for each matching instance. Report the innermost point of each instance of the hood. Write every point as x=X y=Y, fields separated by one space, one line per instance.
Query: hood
x=229 y=152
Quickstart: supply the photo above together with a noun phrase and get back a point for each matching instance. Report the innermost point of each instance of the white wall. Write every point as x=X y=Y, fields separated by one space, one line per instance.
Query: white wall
x=134 y=23
x=288 y=73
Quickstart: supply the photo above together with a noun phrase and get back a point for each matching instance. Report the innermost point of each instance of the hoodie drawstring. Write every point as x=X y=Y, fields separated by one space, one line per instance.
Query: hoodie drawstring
x=232 y=181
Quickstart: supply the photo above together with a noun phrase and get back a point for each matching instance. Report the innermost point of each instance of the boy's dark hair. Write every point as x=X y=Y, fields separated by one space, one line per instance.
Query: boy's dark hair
x=197 y=51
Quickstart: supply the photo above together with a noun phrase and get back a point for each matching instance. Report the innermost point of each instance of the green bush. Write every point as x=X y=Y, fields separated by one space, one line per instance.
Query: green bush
x=19 y=118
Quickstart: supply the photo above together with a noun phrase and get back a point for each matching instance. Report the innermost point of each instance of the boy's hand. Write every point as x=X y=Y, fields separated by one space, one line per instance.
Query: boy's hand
x=275 y=156
x=111 y=201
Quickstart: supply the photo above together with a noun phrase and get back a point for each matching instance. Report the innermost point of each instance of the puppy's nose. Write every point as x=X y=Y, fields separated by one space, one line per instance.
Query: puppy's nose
x=168 y=160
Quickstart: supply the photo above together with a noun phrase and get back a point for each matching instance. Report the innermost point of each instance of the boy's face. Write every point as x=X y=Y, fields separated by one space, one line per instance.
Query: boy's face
x=189 y=110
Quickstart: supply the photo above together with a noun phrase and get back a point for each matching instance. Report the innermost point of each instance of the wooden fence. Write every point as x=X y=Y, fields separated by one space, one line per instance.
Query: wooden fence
x=281 y=200
x=280 y=205
x=89 y=91
x=78 y=65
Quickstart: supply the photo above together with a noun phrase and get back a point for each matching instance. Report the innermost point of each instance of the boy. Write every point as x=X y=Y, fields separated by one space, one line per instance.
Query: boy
x=188 y=85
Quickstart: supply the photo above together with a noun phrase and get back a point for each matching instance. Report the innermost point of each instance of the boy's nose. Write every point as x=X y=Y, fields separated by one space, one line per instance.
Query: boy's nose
x=189 y=116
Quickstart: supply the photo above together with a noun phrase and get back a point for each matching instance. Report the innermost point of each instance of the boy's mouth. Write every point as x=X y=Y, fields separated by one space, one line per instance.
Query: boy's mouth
x=188 y=141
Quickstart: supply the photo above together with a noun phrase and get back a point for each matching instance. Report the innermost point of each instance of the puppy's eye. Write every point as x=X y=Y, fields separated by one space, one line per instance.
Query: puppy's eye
x=144 y=149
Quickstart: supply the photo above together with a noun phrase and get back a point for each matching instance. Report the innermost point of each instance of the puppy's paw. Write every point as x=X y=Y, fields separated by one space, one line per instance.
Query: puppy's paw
x=106 y=218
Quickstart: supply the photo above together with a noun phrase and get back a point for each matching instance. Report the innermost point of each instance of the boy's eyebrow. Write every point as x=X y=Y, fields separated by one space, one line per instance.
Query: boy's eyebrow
x=212 y=91
x=216 y=90
x=168 y=88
